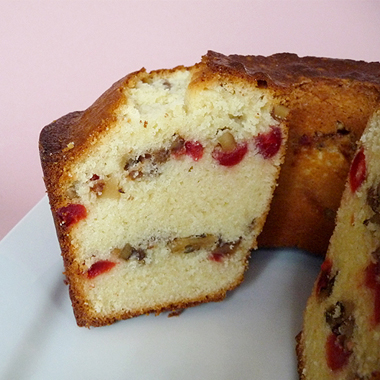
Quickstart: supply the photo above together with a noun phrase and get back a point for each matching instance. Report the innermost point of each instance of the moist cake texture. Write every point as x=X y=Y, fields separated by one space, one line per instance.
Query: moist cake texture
x=330 y=102
x=160 y=189
x=341 y=332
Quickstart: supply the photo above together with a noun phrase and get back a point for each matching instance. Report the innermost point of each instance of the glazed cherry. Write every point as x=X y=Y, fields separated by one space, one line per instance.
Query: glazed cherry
x=268 y=144
x=230 y=158
x=372 y=281
x=218 y=257
x=194 y=149
x=325 y=281
x=100 y=267
x=337 y=355
x=358 y=171
x=71 y=214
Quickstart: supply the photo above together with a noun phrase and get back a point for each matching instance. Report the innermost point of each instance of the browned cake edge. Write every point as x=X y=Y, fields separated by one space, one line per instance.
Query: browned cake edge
x=84 y=319
x=299 y=355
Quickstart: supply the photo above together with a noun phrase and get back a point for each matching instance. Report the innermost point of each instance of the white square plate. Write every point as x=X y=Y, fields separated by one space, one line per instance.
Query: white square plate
x=250 y=335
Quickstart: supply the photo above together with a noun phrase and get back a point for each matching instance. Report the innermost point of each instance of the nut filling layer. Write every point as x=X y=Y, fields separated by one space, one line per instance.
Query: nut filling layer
x=219 y=250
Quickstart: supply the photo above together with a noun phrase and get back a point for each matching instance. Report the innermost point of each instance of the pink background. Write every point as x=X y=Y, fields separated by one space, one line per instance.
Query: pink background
x=59 y=56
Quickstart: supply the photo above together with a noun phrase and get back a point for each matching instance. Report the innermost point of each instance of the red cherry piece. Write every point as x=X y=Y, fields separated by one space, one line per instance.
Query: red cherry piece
x=268 y=144
x=100 y=267
x=372 y=281
x=71 y=214
x=230 y=158
x=358 y=171
x=194 y=149
x=337 y=355
x=324 y=278
x=218 y=257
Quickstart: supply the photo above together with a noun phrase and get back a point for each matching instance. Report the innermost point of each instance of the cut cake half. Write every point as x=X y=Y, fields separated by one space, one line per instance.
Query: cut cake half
x=160 y=189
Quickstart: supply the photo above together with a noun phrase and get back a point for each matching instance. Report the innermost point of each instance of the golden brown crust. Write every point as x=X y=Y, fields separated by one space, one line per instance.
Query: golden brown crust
x=66 y=138
x=330 y=102
x=299 y=354
x=62 y=142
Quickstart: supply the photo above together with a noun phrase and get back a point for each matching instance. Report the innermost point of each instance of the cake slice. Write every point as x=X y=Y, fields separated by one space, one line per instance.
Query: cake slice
x=329 y=103
x=160 y=189
x=341 y=332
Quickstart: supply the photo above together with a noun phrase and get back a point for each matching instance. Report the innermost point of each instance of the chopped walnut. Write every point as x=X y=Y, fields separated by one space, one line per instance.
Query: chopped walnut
x=223 y=250
x=227 y=142
x=149 y=163
x=192 y=243
x=340 y=319
x=177 y=147
x=226 y=248
x=373 y=198
x=111 y=189
x=375 y=219
x=128 y=252
x=98 y=187
x=146 y=164
x=280 y=111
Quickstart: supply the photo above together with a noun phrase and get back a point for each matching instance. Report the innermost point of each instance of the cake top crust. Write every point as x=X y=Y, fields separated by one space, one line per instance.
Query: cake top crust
x=287 y=69
x=281 y=70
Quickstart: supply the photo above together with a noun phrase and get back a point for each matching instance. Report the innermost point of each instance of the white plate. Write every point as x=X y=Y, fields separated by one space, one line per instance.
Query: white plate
x=250 y=335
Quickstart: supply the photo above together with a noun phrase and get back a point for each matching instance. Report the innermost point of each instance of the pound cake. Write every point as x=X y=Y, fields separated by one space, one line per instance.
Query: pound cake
x=160 y=189
x=341 y=332
x=329 y=103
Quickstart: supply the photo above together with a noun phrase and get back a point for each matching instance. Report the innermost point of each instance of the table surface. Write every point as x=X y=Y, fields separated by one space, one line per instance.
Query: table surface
x=59 y=56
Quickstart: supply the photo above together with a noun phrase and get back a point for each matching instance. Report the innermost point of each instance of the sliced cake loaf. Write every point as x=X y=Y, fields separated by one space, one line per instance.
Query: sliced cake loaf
x=341 y=332
x=160 y=189
x=329 y=102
